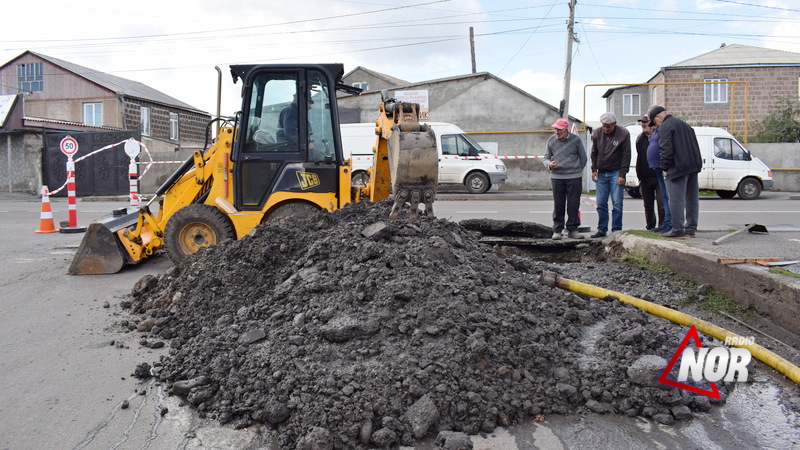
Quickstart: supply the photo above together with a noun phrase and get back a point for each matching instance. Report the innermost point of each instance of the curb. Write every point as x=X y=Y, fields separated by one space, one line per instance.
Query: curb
x=769 y=295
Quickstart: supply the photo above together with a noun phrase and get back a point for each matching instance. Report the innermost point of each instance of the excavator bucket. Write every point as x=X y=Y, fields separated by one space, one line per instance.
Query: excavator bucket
x=414 y=167
x=101 y=251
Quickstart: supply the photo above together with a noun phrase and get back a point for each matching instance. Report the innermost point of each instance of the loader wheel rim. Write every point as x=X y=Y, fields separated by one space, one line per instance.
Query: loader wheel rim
x=196 y=235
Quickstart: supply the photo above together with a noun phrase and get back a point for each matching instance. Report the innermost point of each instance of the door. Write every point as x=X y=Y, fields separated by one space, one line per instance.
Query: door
x=288 y=138
x=457 y=158
x=729 y=164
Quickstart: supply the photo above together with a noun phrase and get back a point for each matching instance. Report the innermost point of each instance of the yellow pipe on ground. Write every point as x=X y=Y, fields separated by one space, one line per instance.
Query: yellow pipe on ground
x=783 y=366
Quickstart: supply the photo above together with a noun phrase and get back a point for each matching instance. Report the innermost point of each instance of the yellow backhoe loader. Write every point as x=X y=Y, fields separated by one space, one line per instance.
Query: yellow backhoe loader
x=281 y=157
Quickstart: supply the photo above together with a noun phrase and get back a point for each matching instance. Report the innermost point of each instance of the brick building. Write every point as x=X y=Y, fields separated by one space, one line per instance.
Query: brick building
x=732 y=87
x=41 y=95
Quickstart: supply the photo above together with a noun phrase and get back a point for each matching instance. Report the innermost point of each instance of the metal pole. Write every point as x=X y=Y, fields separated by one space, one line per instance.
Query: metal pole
x=8 y=152
x=567 y=74
x=472 y=47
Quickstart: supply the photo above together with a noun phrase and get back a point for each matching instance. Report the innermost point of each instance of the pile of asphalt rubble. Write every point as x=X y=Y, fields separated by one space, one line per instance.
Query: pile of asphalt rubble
x=346 y=330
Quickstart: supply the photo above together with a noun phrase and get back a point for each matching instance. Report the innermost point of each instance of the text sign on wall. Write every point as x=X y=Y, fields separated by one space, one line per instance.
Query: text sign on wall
x=418 y=96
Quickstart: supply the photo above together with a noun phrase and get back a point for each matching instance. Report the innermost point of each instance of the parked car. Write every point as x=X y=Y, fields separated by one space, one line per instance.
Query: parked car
x=461 y=159
x=728 y=168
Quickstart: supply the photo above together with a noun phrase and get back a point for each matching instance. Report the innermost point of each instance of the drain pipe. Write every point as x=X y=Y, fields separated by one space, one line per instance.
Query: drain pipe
x=783 y=366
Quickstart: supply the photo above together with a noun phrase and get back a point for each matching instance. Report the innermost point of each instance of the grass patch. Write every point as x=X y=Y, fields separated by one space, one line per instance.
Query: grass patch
x=640 y=261
x=708 y=193
x=780 y=271
x=717 y=302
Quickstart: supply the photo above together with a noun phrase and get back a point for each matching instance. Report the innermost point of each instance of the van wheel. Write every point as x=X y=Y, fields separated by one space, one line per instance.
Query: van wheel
x=749 y=189
x=726 y=194
x=634 y=192
x=477 y=183
x=359 y=178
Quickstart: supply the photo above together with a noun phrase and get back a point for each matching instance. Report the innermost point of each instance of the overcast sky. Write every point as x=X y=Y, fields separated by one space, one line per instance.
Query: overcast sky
x=173 y=46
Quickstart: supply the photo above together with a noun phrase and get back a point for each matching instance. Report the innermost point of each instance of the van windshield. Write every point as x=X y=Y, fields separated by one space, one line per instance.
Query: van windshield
x=474 y=144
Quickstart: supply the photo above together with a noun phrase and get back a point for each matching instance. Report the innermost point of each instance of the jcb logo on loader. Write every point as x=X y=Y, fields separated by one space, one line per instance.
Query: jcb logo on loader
x=307 y=180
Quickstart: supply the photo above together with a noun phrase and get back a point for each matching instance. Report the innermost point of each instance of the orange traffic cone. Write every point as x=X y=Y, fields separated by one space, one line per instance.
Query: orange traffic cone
x=46 y=224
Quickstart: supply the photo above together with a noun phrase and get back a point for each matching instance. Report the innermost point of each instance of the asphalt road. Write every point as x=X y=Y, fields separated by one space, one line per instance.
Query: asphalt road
x=65 y=370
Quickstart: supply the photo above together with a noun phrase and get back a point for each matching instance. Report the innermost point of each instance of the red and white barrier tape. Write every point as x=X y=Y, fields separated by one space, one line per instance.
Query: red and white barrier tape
x=358 y=158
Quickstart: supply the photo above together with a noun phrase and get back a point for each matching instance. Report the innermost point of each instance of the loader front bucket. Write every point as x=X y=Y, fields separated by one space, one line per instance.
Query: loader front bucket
x=100 y=251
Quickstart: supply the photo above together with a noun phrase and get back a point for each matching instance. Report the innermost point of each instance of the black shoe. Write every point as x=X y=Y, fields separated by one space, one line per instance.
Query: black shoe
x=675 y=235
x=599 y=234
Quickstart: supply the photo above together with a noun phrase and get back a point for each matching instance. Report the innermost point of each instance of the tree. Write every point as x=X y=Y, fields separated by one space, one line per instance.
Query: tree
x=780 y=125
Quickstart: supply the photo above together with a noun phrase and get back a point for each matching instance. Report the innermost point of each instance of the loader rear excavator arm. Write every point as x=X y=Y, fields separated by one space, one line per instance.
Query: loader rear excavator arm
x=406 y=161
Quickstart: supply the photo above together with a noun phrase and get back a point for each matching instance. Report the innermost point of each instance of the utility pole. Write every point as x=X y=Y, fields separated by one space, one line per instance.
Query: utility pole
x=472 y=47
x=567 y=74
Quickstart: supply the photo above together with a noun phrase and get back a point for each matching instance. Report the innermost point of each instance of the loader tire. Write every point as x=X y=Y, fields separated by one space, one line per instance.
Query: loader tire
x=294 y=209
x=193 y=227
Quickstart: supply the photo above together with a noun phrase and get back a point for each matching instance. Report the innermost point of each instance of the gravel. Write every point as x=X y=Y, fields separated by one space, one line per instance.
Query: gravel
x=348 y=331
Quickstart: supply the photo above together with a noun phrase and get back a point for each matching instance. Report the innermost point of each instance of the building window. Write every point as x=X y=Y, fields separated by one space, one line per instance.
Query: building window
x=145 y=121
x=30 y=77
x=93 y=114
x=655 y=97
x=631 y=105
x=716 y=91
x=363 y=85
x=173 y=126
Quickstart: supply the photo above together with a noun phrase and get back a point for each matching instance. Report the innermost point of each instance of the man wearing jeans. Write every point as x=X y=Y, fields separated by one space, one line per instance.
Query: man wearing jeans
x=611 y=158
x=681 y=161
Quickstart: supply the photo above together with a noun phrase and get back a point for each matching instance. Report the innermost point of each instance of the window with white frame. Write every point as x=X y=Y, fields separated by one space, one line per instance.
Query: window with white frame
x=363 y=85
x=716 y=91
x=145 y=121
x=173 y=126
x=30 y=77
x=655 y=97
x=631 y=105
x=93 y=114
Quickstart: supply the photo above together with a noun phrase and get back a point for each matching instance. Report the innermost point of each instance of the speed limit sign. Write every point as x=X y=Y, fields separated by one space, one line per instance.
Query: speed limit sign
x=69 y=146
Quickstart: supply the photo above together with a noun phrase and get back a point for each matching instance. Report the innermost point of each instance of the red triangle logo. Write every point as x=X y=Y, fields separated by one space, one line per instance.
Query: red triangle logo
x=691 y=334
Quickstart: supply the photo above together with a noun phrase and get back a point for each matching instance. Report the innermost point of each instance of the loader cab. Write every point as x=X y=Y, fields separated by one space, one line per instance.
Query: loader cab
x=288 y=138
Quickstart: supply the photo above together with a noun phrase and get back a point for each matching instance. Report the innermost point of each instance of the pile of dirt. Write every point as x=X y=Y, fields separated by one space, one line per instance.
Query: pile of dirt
x=346 y=330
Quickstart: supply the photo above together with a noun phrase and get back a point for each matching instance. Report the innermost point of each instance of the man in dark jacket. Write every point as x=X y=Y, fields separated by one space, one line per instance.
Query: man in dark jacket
x=648 y=183
x=611 y=159
x=681 y=161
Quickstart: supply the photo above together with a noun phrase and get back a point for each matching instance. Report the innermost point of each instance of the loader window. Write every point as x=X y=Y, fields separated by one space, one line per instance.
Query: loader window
x=272 y=105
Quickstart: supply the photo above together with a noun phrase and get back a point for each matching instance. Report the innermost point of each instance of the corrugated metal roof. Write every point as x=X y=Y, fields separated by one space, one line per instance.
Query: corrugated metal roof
x=6 y=103
x=119 y=85
x=741 y=55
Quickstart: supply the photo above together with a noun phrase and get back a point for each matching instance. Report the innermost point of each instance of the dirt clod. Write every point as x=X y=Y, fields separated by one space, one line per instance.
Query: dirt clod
x=345 y=330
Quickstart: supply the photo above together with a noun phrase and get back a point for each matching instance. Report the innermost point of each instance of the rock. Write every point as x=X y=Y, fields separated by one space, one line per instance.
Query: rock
x=345 y=328
x=422 y=415
x=317 y=438
x=384 y=437
x=682 y=412
x=664 y=418
x=453 y=440
x=252 y=337
x=375 y=230
x=646 y=370
x=183 y=387
x=596 y=406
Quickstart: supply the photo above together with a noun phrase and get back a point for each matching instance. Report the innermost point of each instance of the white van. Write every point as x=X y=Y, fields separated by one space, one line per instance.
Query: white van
x=728 y=168
x=461 y=159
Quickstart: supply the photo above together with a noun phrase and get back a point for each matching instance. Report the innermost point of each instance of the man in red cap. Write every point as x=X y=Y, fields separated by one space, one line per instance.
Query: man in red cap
x=565 y=158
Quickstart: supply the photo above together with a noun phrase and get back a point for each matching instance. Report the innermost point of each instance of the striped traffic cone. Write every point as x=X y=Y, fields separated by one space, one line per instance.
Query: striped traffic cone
x=46 y=224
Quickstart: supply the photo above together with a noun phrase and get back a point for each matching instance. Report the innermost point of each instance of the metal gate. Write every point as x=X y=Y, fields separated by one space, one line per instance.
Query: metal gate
x=105 y=173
